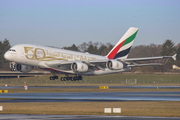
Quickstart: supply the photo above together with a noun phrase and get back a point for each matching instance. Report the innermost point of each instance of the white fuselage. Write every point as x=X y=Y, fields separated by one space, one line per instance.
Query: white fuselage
x=34 y=55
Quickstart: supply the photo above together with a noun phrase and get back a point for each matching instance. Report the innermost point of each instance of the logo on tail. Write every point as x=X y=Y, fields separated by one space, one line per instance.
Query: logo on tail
x=122 y=48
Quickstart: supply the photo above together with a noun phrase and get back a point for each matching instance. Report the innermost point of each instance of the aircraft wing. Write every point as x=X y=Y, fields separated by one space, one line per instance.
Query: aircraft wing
x=59 y=64
x=132 y=62
x=140 y=65
x=66 y=65
x=101 y=64
x=97 y=64
x=149 y=58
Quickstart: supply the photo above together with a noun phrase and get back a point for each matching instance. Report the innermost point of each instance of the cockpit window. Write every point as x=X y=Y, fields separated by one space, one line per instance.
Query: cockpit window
x=12 y=50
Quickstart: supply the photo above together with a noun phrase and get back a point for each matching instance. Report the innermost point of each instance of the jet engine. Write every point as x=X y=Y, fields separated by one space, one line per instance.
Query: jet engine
x=114 y=65
x=23 y=68
x=79 y=67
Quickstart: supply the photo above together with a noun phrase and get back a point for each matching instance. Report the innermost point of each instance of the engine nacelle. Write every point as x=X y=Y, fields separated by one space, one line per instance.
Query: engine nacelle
x=23 y=68
x=79 y=67
x=114 y=65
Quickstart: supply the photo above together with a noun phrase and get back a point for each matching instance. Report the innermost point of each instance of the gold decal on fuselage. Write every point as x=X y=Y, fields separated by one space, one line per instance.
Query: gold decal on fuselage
x=30 y=53
x=55 y=54
x=47 y=55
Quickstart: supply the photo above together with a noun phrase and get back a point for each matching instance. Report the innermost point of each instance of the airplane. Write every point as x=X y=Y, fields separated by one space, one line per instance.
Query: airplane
x=27 y=56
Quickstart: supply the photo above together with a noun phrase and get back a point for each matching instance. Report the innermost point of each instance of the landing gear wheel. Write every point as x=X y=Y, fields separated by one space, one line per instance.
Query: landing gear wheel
x=74 y=78
x=53 y=77
x=80 y=77
x=67 y=78
x=56 y=77
x=77 y=78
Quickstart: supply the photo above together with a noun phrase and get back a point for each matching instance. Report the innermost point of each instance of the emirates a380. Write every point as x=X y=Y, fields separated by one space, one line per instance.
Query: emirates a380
x=27 y=56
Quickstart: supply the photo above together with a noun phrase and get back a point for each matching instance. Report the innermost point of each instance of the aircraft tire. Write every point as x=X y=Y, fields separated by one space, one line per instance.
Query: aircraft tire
x=51 y=78
x=77 y=78
x=80 y=78
x=67 y=78
x=74 y=78
x=56 y=77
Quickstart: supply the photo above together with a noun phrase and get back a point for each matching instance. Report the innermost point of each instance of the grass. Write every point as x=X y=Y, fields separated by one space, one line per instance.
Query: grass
x=139 y=108
x=129 y=108
x=113 y=79
x=61 y=90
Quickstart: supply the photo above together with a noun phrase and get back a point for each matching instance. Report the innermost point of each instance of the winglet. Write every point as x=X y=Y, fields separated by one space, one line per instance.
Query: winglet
x=174 y=56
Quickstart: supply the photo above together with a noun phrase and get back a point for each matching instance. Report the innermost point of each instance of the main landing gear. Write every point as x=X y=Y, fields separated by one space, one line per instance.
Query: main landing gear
x=72 y=78
x=53 y=77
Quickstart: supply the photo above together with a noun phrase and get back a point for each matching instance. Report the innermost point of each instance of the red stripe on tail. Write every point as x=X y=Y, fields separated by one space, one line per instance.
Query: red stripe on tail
x=114 y=52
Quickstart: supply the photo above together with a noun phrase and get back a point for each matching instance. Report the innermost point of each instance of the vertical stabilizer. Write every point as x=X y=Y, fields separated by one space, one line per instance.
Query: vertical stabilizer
x=122 y=48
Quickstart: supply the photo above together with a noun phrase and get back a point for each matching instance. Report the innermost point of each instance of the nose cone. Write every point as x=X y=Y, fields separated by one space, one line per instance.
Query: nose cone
x=7 y=56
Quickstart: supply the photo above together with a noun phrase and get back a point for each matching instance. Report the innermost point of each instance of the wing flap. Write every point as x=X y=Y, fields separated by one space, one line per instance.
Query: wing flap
x=140 y=65
x=66 y=65
x=97 y=64
x=59 y=65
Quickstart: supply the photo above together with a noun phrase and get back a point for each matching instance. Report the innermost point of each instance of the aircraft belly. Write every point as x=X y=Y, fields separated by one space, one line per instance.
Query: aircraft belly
x=108 y=71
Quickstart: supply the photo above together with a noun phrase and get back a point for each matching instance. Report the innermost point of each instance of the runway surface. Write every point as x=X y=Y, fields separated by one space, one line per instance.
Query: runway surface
x=88 y=97
x=80 y=117
x=91 y=96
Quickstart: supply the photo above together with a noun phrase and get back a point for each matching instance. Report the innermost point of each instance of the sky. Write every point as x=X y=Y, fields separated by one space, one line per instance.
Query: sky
x=62 y=23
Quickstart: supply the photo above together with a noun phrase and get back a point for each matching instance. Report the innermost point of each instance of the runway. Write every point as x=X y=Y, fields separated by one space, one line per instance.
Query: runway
x=80 y=117
x=87 y=97
x=91 y=96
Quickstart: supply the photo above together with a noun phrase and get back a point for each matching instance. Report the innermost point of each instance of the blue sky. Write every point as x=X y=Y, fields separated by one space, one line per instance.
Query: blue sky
x=65 y=22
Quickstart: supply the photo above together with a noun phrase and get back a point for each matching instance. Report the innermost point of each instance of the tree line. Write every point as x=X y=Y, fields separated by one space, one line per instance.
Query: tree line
x=4 y=46
x=92 y=48
x=168 y=48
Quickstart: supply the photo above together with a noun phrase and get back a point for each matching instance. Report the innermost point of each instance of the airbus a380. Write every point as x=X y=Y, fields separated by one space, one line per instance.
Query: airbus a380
x=27 y=56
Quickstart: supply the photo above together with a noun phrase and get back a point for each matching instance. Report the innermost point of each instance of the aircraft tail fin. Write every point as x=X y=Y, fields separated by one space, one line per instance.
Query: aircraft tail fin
x=122 y=48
